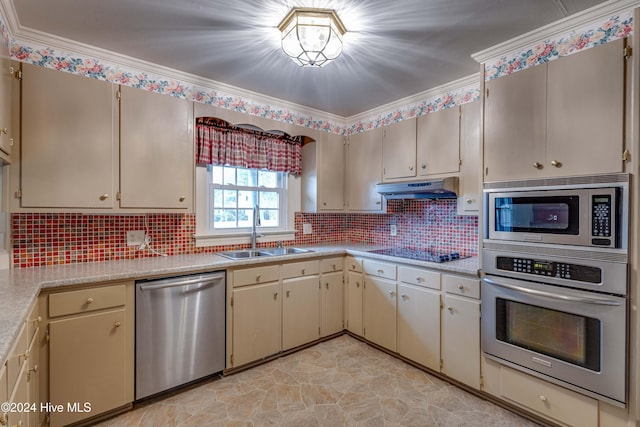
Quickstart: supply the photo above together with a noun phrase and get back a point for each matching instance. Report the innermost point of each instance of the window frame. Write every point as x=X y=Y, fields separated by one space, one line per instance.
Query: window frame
x=290 y=201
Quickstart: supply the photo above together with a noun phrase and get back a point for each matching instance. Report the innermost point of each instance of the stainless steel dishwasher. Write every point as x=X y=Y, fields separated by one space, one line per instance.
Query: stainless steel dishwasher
x=180 y=331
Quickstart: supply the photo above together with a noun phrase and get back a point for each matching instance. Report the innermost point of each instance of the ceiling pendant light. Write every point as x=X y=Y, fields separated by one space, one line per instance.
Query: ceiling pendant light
x=312 y=37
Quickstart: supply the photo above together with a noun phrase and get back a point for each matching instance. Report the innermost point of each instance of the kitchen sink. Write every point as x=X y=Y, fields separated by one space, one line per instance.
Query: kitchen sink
x=243 y=254
x=253 y=253
x=284 y=251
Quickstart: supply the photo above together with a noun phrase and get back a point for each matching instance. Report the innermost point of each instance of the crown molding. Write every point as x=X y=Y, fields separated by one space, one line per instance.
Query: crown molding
x=563 y=26
x=403 y=103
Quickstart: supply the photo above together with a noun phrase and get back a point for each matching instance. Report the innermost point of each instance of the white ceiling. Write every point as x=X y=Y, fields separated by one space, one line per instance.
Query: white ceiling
x=393 y=48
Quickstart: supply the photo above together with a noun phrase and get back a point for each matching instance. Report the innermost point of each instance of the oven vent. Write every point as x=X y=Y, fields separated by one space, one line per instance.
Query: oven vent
x=578 y=181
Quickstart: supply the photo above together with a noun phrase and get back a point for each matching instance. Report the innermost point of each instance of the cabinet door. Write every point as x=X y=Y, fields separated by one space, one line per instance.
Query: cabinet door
x=331 y=173
x=419 y=325
x=515 y=125
x=332 y=296
x=300 y=311
x=585 y=113
x=470 y=186
x=380 y=312
x=6 y=84
x=87 y=363
x=461 y=339
x=439 y=142
x=364 y=171
x=354 y=302
x=20 y=395
x=156 y=150
x=68 y=144
x=399 y=150
x=256 y=322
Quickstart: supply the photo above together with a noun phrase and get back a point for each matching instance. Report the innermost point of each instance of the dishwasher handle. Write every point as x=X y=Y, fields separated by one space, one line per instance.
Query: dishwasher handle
x=169 y=283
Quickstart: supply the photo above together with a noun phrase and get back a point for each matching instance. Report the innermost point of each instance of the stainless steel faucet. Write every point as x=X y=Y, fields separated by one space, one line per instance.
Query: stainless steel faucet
x=256 y=223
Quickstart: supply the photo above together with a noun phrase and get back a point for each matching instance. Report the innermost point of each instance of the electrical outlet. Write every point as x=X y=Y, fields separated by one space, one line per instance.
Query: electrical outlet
x=394 y=230
x=306 y=229
x=135 y=237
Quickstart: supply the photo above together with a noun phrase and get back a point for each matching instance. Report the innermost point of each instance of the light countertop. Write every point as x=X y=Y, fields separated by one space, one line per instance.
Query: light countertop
x=19 y=288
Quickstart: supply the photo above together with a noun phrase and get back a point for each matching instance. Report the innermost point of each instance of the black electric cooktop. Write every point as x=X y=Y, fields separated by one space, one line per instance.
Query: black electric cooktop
x=420 y=255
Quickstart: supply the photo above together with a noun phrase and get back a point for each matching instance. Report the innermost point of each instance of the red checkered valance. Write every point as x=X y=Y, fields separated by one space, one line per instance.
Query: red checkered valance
x=220 y=143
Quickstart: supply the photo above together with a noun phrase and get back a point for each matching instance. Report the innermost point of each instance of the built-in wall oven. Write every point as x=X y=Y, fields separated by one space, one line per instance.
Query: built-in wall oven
x=554 y=286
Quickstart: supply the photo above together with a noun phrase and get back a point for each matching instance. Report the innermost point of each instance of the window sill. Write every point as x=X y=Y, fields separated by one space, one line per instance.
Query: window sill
x=235 y=238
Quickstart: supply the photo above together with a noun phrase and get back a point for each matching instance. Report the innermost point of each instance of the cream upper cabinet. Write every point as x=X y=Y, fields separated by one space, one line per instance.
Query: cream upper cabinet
x=439 y=142
x=300 y=311
x=562 y=118
x=323 y=171
x=470 y=183
x=156 y=150
x=585 y=111
x=257 y=322
x=6 y=92
x=364 y=171
x=399 y=150
x=515 y=125
x=68 y=140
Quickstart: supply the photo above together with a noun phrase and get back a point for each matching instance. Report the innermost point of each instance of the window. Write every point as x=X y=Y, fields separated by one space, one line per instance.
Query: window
x=233 y=193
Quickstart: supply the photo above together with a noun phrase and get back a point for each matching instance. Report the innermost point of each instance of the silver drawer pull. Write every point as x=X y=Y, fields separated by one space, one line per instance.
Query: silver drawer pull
x=391 y=293
x=460 y=288
x=89 y=300
x=381 y=271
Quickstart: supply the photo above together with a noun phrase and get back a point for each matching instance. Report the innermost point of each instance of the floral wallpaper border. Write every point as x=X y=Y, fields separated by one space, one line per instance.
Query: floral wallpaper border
x=613 y=28
x=610 y=29
x=450 y=99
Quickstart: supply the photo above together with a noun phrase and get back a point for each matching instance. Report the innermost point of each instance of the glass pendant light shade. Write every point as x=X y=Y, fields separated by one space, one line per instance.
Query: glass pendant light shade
x=312 y=37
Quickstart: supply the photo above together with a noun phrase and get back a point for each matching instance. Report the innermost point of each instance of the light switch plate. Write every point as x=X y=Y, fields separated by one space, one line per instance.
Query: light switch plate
x=135 y=237
x=394 y=230
x=306 y=229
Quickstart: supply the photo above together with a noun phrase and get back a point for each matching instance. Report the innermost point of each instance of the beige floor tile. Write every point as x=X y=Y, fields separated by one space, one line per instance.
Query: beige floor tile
x=341 y=382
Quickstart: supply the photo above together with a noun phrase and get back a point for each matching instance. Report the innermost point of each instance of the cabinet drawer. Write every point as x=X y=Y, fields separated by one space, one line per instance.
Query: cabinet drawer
x=297 y=269
x=419 y=277
x=17 y=358
x=86 y=300
x=354 y=264
x=332 y=264
x=460 y=285
x=252 y=276
x=380 y=269
x=548 y=400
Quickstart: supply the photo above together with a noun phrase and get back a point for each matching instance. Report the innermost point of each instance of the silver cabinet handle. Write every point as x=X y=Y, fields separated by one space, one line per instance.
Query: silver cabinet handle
x=537 y=165
x=117 y=324
x=381 y=271
x=357 y=284
x=275 y=295
x=288 y=294
x=542 y=398
x=391 y=293
x=469 y=201
x=89 y=300
x=423 y=166
x=105 y=196
x=326 y=285
x=450 y=309
x=460 y=288
x=404 y=296
x=556 y=163
x=182 y=199
x=419 y=279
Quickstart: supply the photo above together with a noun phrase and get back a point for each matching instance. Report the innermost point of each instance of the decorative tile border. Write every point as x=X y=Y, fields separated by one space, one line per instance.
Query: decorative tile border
x=66 y=238
x=613 y=28
x=450 y=99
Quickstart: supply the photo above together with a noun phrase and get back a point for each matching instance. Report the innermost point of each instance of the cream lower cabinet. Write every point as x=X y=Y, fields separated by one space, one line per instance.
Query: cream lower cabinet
x=354 y=286
x=380 y=304
x=90 y=351
x=419 y=316
x=300 y=311
x=257 y=326
x=332 y=296
x=461 y=329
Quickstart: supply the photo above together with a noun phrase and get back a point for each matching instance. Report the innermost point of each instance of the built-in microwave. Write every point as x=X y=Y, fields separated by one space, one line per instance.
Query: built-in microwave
x=580 y=211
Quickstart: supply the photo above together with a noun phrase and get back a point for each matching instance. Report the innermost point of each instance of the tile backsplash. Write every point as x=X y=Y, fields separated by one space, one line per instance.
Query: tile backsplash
x=64 y=238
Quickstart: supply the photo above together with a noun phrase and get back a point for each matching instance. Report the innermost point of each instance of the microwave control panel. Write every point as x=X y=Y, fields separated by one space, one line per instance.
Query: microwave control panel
x=558 y=270
x=601 y=219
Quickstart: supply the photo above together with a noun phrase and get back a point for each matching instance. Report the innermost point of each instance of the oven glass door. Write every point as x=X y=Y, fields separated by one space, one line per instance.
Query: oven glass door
x=564 y=336
x=558 y=214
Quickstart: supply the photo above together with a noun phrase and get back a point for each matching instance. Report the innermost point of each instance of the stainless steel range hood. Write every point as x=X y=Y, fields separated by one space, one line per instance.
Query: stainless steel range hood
x=445 y=188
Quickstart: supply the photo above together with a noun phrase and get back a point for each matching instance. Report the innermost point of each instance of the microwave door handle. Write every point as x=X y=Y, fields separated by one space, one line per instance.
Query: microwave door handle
x=584 y=300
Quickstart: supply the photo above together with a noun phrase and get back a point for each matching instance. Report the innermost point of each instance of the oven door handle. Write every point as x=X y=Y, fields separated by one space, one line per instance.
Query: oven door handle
x=570 y=298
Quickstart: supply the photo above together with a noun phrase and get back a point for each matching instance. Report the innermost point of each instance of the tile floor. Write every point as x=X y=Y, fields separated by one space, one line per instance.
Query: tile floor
x=341 y=382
